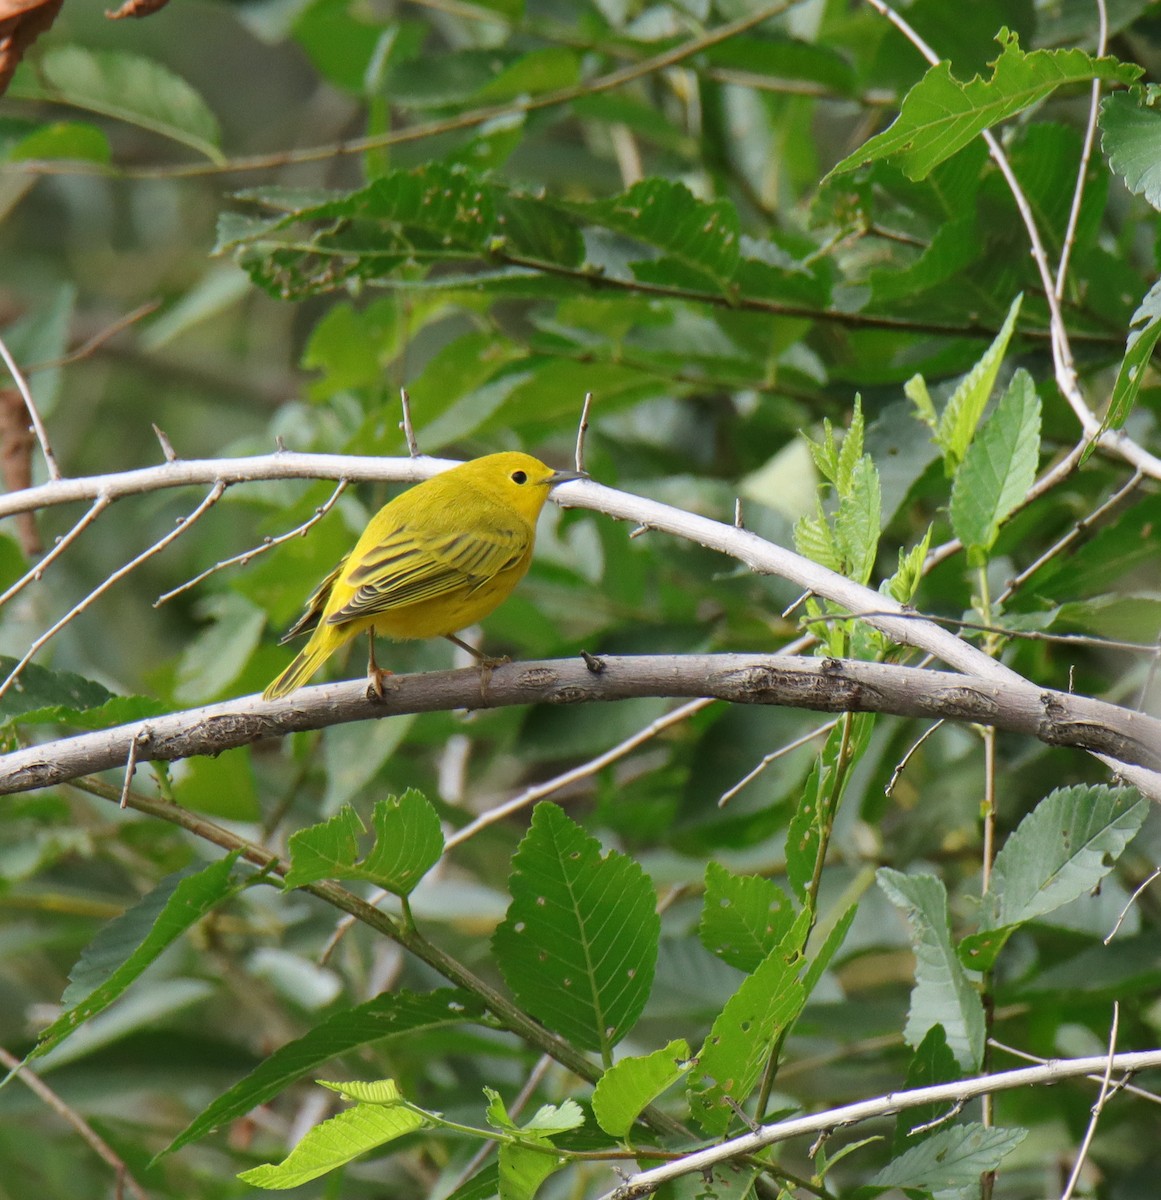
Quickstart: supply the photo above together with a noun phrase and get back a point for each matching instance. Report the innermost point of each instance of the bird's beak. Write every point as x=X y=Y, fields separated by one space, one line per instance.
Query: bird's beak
x=564 y=477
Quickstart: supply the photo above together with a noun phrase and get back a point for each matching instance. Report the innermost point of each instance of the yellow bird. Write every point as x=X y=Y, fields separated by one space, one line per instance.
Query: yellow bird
x=439 y=557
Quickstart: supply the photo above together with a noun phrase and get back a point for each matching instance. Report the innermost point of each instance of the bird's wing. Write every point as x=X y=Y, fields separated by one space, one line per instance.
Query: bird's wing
x=315 y=605
x=408 y=567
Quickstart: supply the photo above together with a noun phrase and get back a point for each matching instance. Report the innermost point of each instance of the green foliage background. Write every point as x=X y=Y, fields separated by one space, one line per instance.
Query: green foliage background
x=703 y=215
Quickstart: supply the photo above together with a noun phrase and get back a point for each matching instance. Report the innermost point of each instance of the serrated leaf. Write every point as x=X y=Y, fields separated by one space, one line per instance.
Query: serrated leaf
x=857 y=521
x=740 y=1041
x=334 y=1143
x=127 y=945
x=391 y=1014
x=904 y=583
x=628 y=1086
x=950 y=1158
x=743 y=917
x=578 y=946
x=998 y=469
x=1068 y=843
x=814 y=539
x=367 y=1091
x=408 y=843
x=535 y=229
x=942 y=995
x=940 y=115
x=699 y=234
x=1131 y=137
x=959 y=420
x=128 y=88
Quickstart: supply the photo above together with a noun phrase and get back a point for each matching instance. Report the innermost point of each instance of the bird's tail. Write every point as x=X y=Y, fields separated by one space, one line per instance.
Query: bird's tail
x=323 y=643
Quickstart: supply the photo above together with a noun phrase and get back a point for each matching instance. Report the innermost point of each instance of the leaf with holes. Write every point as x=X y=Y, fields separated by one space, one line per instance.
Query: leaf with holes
x=579 y=944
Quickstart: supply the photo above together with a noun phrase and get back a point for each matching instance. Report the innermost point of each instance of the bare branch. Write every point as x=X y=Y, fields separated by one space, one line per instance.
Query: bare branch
x=33 y=414
x=183 y=524
x=268 y=544
x=88 y=1134
x=1130 y=902
x=62 y=544
x=1097 y=1108
x=645 y=1182
x=821 y=685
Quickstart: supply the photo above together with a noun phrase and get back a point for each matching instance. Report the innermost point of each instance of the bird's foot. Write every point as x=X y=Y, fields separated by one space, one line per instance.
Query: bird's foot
x=375 y=690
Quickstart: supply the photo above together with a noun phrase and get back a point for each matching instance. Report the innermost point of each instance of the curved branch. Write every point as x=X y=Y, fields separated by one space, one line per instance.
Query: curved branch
x=822 y=685
x=645 y=1182
x=763 y=557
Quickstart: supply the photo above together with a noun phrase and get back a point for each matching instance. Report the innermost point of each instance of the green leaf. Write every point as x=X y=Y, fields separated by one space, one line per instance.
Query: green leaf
x=743 y=917
x=998 y=469
x=908 y=575
x=63 y=140
x=220 y=787
x=127 y=88
x=942 y=995
x=544 y=70
x=858 y=520
x=661 y=213
x=127 y=945
x=1131 y=137
x=950 y=1158
x=392 y=1014
x=334 y=1143
x=961 y=417
x=940 y=115
x=523 y=1170
x=408 y=843
x=1145 y=329
x=742 y=1037
x=1062 y=849
x=628 y=1086
x=579 y=944
x=932 y=1063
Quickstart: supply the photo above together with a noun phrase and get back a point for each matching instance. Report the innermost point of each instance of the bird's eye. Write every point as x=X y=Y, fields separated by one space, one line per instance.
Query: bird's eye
x=519 y=477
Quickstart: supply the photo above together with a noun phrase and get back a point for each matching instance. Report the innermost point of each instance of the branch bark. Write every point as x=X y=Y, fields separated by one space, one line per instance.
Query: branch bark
x=822 y=685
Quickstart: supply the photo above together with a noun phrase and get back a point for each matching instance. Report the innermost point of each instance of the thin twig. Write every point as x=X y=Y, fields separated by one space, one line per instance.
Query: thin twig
x=88 y=1134
x=1130 y=902
x=34 y=415
x=406 y=425
x=59 y=547
x=267 y=544
x=1084 y=524
x=582 y=429
x=140 y=741
x=183 y=524
x=1085 y=154
x=97 y=340
x=1132 y=1088
x=1097 y=1108
x=901 y=766
x=773 y=756
x=540 y=790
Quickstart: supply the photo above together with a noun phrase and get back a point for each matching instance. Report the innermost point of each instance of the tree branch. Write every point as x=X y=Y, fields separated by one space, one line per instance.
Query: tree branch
x=823 y=685
x=645 y=1182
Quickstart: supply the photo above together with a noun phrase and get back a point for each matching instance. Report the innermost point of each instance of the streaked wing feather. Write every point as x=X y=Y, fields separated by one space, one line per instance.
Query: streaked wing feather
x=410 y=567
x=314 y=606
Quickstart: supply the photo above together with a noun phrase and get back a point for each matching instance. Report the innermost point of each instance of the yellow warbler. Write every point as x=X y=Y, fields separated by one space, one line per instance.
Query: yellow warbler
x=439 y=557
